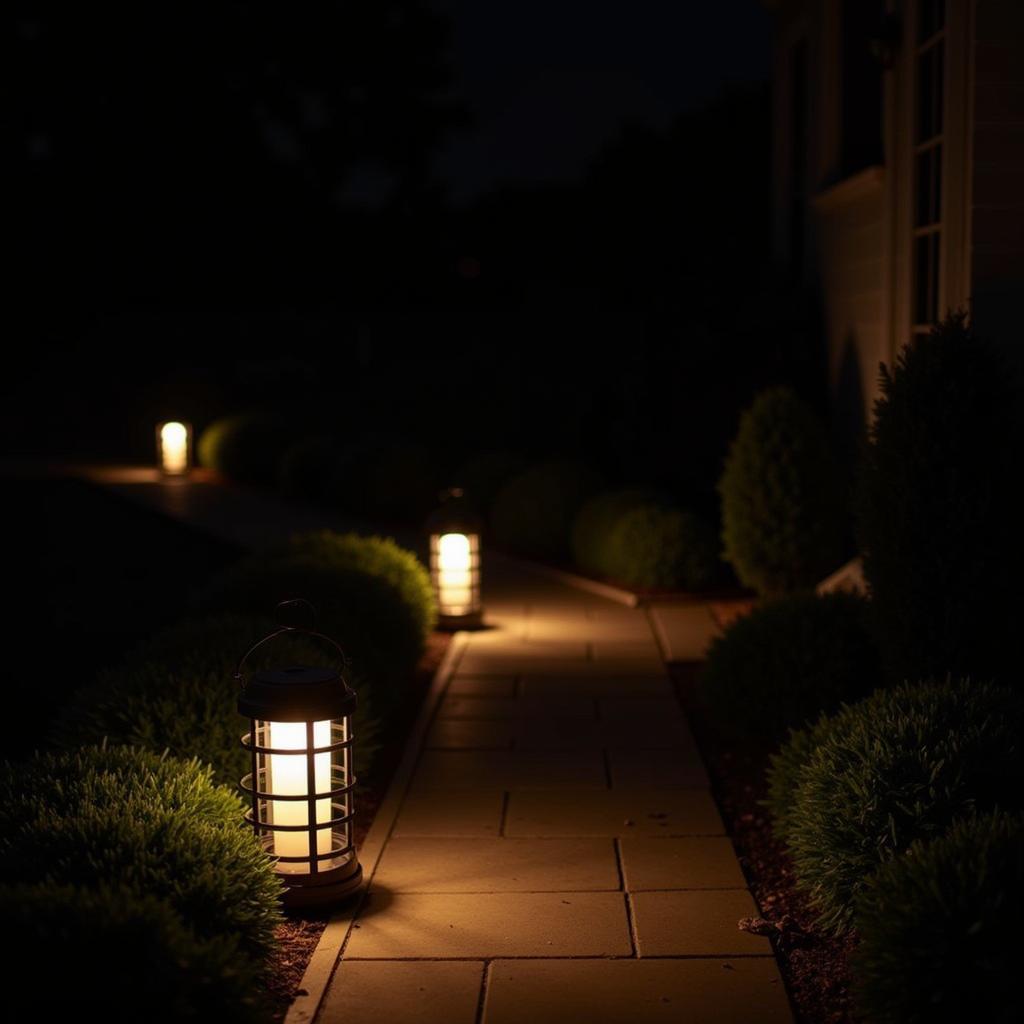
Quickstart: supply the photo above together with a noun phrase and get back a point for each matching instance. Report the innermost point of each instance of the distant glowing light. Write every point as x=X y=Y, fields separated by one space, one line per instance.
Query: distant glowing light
x=173 y=444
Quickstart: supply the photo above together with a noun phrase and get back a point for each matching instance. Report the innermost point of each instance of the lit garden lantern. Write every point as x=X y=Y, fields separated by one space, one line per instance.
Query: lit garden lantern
x=174 y=447
x=455 y=562
x=301 y=784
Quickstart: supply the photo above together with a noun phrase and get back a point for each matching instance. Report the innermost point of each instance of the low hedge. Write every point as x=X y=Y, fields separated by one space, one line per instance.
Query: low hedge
x=372 y=596
x=901 y=766
x=783 y=510
x=177 y=693
x=533 y=512
x=153 y=825
x=246 y=447
x=940 y=928
x=121 y=956
x=789 y=660
x=588 y=539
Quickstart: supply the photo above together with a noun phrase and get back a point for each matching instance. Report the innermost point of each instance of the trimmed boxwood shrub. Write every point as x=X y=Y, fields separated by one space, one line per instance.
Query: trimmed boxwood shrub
x=939 y=511
x=940 y=928
x=788 y=660
x=372 y=596
x=900 y=766
x=784 y=767
x=246 y=447
x=533 y=512
x=594 y=523
x=783 y=516
x=177 y=693
x=151 y=824
x=120 y=956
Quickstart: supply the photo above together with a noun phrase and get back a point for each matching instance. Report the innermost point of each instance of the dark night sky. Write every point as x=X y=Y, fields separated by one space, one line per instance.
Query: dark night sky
x=550 y=81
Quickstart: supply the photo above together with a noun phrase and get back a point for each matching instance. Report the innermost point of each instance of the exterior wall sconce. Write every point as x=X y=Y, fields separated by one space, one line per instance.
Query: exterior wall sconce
x=301 y=783
x=174 y=448
x=455 y=562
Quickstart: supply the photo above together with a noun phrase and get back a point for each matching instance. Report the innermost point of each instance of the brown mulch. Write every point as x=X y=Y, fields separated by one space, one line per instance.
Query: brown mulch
x=814 y=966
x=300 y=933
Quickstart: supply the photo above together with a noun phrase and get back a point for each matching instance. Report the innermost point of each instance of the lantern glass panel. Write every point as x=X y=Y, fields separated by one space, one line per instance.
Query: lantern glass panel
x=455 y=565
x=173 y=443
x=284 y=780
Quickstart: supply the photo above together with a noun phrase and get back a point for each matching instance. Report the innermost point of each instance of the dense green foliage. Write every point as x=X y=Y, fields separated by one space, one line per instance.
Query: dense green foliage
x=940 y=928
x=783 y=516
x=533 y=512
x=594 y=523
x=124 y=956
x=900 y=766
x=246 y=447
x=178 y=693
x=155 y=826
x=939 y=509
x=788 y=660
x=784 y=769
x=372 y=596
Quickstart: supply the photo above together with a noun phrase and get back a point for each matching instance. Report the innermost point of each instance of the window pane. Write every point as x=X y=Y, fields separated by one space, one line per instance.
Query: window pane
x=928 y=208
x=930 y=19
x=926 y=278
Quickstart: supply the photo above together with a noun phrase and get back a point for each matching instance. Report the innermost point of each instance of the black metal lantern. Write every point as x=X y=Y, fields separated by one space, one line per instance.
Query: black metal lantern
x=454 y=532
x=301 y=784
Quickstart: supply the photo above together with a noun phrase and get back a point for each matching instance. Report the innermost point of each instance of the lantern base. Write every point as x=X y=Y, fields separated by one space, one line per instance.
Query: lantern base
x=324 y=889
x=453 y=623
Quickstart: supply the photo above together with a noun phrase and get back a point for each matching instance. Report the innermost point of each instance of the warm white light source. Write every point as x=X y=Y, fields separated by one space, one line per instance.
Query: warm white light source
x=289 y=776
x=173 y=441
x=455 y=562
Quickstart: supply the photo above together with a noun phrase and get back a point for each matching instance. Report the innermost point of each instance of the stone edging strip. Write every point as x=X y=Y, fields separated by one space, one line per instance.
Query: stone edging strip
x=320 y=969
x=606 y=590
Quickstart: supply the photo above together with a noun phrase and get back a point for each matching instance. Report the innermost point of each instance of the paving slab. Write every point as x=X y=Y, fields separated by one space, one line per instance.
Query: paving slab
x=498 y=865
x=517 y=707
x=528 y=769
x=404 y=992
x=580 y=734
x=693 y=862
x=500 y=644
x=612 y=812
x=656 y=684
x=741 y=991
x=483 y=663
x=482 y=686
x=696 y=923
x=486 y=925
x=464 y=812
x=640 y=768
x=684 y=631
x=472 y=734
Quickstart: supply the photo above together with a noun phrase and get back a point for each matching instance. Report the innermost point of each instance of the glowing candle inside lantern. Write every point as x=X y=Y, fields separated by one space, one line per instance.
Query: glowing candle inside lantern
x=454 y=574
x=174 y=447
x=289 y=776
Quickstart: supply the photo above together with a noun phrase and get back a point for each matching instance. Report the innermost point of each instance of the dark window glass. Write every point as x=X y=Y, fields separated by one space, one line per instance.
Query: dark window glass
x=861 y=86
x=926 y=278
x=798 y=153
x=930 y=19
x=929 y=187
x=929 y=92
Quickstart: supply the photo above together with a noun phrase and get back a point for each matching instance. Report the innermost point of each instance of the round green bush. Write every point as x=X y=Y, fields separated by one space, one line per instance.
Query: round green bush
x=593 y=525
x=372 y=596
x=782 y=505
x=784 y=767
x=788 y=660
x=656 y=545
x=900 y=766
x=122 y=956
x=246 y=447
x=940 y=928
x=178 y=693
x=939 y=510
x=533 y=512
x=151 y=824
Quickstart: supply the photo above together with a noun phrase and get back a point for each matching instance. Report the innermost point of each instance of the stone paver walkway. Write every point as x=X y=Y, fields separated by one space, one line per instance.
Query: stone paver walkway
x=557 y=856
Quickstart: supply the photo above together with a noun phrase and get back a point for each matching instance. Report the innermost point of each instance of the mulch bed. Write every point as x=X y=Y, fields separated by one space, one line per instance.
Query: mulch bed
x=299 y=935
x=814 y=966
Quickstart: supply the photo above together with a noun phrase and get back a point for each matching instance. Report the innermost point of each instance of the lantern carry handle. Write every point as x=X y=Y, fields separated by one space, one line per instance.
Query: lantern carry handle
x=281 y=630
